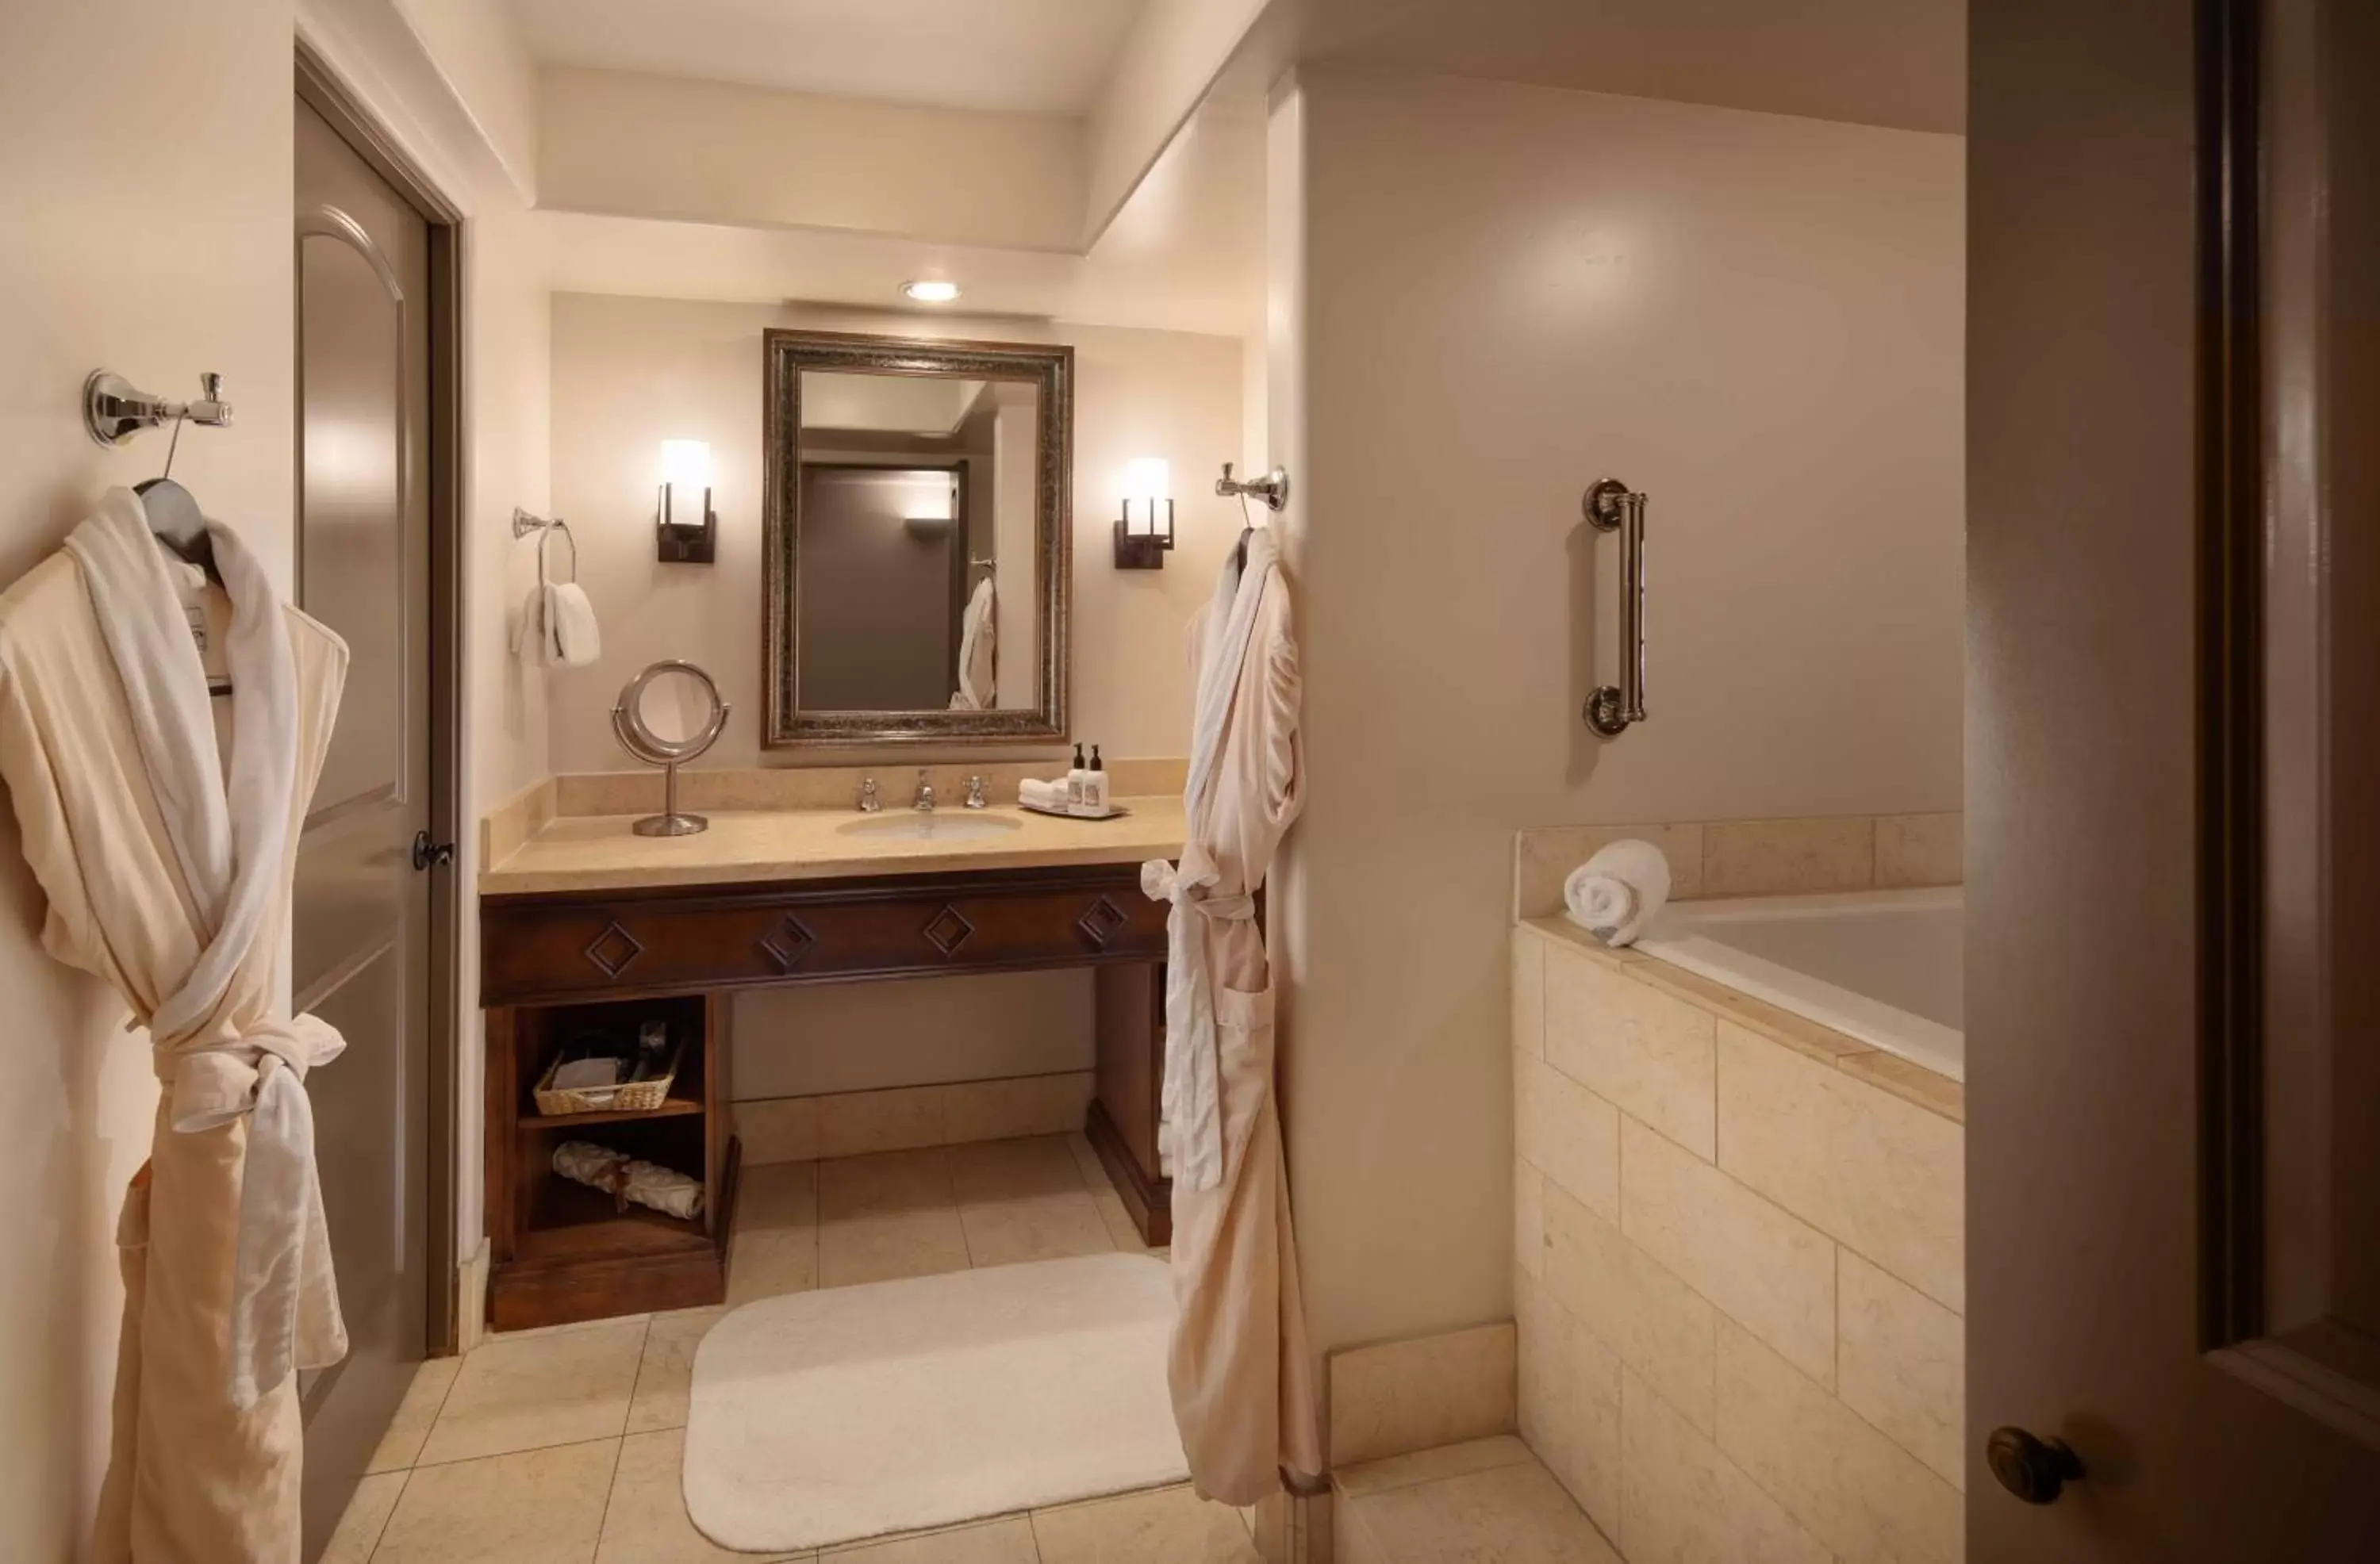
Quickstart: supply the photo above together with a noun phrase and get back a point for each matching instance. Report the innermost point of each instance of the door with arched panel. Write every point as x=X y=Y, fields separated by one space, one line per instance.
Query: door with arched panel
x=362 y=925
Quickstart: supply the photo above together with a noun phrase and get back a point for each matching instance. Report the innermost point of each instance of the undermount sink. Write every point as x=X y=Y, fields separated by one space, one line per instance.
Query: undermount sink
x=910 y=826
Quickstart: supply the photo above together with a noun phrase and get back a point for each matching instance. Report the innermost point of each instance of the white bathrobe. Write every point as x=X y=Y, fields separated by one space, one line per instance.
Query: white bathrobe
x=976 y=692
x=1241 y=1378
x=170 y=882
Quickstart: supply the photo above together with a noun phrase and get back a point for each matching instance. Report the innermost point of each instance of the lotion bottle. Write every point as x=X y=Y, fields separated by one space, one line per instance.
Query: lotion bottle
x=1095 y=786
x=1077 y=780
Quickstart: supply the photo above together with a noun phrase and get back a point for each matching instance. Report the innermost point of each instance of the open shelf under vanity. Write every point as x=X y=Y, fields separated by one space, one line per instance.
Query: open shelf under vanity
x=564 y=1251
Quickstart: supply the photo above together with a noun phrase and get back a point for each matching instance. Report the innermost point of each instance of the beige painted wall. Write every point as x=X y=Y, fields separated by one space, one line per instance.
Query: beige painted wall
x=1758 y=319
x=147 y=184
x=630 y=372
x=710 y=152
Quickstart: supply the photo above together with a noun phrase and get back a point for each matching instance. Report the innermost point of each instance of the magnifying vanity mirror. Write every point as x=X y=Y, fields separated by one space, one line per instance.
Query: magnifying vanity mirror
x=916 y=541
x=667 y=716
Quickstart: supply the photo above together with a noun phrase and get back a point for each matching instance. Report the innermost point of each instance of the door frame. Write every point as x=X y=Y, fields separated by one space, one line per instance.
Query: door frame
x=321 y=91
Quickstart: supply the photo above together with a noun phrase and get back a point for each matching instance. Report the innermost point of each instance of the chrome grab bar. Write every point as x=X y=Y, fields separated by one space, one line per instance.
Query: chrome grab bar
x=1611 y=506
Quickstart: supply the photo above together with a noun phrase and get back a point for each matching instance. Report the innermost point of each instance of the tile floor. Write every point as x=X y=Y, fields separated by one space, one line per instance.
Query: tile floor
x=1481 y=1500
x=562 y=1446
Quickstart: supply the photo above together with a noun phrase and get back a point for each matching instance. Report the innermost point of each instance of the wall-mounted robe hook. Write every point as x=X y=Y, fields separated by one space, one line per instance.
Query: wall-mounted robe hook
x=1272 y=488
x=114 y=410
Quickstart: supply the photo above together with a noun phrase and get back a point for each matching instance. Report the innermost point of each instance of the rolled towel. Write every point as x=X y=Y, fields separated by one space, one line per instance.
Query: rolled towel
x=1616 y=893
x=575 y=641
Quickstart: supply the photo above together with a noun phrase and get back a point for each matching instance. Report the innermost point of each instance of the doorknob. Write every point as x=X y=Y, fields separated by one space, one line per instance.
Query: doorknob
x=2034 y=1469
x=427 y=855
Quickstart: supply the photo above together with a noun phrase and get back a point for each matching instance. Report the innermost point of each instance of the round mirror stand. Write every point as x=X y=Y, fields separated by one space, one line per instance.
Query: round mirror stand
x=634 y=727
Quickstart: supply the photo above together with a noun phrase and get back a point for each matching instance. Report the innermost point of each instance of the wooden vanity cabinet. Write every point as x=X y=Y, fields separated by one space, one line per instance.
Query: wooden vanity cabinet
x=560 y=1252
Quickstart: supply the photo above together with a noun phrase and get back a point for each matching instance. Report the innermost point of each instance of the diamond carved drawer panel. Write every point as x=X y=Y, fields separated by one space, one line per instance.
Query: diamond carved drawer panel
x=551 y=948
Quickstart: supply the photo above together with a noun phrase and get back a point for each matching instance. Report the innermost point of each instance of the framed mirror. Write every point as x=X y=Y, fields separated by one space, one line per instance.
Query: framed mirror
x=917 y=541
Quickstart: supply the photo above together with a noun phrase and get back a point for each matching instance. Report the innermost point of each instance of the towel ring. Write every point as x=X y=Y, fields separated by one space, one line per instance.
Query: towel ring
x=564 y=527
x=524 y=524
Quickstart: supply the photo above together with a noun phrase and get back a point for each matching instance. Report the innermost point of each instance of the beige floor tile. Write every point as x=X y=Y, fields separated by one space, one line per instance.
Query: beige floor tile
x=782 y=1194
x=1087 y=1161
x=1008 y=1540
x=890 y=1247
x=1118 y=1221
x=362 y=1522
x=1040 y=1227
x=645 y=1521
x=666 y=1371
x=770 y=1262
x=1172 y=1524
x=400 y=1447
x=532 y=1507
x=519 y=1393
x=1014 y=1169
x=884 y=1184
x=1509 y=1514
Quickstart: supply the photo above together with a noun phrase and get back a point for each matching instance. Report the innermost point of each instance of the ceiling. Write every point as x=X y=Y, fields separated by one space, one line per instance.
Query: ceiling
x=1186 y=253
x=1023 y=56
x=1897 y=63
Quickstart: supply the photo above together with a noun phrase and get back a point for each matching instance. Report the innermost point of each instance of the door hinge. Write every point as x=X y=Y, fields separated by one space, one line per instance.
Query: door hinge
x=428 y=855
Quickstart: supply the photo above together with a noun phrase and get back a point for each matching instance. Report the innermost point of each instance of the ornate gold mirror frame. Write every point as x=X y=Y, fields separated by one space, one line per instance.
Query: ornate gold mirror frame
x=788 y=354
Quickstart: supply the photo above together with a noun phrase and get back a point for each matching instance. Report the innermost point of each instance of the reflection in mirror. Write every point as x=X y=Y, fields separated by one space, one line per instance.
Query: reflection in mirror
x=915 y=491
x=917 y=540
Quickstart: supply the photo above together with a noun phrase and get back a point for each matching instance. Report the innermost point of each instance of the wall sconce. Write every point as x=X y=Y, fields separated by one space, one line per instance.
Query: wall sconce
x=1141 y=545
x=685 y=464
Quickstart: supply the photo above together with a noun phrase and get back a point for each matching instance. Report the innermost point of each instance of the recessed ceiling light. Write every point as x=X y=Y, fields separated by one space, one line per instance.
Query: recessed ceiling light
x=932 y=291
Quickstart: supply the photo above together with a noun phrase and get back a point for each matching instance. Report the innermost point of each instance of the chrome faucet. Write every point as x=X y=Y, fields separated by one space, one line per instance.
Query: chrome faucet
x=924 y=802
x=868 y=802
x=974 y=798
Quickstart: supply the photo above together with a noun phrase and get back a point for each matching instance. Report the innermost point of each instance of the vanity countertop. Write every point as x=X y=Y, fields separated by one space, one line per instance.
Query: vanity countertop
x=600 y=853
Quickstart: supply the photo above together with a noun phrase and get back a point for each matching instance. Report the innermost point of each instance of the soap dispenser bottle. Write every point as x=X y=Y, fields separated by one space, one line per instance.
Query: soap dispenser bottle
x=1077 y=780
x=1095 y=787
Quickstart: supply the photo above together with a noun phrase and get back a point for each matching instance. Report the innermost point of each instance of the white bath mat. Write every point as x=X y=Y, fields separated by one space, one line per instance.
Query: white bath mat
x=826 y=1417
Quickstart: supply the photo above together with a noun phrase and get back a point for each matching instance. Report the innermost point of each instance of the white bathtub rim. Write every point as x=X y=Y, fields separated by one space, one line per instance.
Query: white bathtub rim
x=1927 y=1044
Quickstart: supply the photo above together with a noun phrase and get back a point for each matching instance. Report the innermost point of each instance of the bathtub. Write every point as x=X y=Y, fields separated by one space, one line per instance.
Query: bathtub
x=1886 y=966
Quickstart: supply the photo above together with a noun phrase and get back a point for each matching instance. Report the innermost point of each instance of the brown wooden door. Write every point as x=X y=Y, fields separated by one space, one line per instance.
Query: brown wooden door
x=360 y=940
x=2173 y=776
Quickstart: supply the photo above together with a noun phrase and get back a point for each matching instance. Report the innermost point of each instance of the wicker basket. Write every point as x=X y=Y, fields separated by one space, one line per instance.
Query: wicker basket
x=629 y=1097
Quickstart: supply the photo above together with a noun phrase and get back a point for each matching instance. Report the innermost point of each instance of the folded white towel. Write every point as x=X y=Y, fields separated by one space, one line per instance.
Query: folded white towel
x=557 y=626
x=575 y=640
x=1042 y=794
x=1618 y=892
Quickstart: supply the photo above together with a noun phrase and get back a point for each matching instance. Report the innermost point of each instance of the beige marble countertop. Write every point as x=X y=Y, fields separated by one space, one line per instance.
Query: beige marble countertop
x=600 y=853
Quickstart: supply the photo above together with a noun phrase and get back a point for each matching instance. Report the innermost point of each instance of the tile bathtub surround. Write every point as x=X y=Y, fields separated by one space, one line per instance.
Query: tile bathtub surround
x=1712 y=858
x=1760 y=1354
x=801 y=1129
x=1395 y=1398
x=1565 y=946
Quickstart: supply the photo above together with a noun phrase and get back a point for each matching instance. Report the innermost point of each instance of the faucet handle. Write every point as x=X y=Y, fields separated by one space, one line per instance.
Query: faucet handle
x=974 y=798
x=868 y=802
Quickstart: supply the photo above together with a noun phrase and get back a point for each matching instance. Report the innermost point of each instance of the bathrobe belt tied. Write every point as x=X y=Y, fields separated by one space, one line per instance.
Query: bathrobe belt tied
x=1192 y=1098
x=284 y=1309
